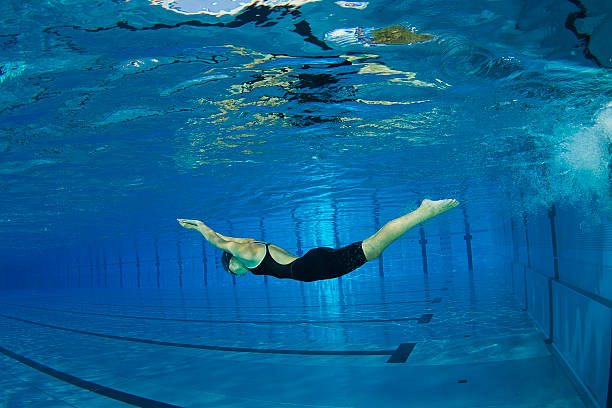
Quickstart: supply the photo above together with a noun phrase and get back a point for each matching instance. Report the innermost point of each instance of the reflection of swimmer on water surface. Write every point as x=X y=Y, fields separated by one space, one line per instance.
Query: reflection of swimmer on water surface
x=391 y=35
x=262 y=13
x=224 y=7
x=220 y=8
x=259 y=11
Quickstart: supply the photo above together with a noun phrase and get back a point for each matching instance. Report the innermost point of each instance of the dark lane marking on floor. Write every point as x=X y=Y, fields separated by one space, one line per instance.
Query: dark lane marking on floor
x=221 y=348
x=402 y=353
x=422 y=319
x=372 y=293
x=426 y=318
x=182 y=307
x=88 y=385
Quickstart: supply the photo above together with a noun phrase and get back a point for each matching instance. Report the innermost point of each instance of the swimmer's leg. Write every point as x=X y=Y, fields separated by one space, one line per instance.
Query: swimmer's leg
x=376 y=244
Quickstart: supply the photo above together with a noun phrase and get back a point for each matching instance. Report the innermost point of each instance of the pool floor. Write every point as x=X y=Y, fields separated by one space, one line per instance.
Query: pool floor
x=446 y=340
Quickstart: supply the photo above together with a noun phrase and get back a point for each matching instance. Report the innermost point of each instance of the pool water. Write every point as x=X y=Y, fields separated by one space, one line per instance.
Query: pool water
x=307 y=124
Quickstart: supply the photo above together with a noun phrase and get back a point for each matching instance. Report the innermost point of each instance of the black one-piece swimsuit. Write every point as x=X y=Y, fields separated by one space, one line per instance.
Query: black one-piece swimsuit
x=317 y=264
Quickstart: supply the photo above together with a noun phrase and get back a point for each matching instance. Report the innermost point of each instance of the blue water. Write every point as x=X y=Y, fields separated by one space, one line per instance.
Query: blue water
x=279 y=122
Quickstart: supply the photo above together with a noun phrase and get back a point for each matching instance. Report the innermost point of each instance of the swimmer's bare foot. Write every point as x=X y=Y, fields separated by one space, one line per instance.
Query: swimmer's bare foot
x=430 y=209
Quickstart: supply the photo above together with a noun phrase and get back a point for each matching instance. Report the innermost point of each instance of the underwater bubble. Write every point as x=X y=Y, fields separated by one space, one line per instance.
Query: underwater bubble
x=10 y=70
x=359 y=5
x=576 y=174
x=587 y=151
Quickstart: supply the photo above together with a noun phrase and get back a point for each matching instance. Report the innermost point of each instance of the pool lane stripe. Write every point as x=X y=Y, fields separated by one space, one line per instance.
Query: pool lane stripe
x=425 y=318
x=224 y=348
x=386 y=293
x=402 y=353
x=88 y=385
x=196 y=307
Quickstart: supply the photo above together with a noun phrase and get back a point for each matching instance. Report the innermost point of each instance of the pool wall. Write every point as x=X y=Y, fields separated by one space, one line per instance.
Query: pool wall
x=561 y=273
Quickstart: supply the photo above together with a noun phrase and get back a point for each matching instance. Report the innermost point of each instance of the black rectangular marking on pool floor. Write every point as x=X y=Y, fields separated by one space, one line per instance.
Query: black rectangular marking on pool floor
x=88 y=385
x=401 y=354
x=426 y=318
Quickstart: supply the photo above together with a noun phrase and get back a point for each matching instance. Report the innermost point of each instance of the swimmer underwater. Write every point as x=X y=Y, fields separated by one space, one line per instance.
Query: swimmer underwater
x=243 y=255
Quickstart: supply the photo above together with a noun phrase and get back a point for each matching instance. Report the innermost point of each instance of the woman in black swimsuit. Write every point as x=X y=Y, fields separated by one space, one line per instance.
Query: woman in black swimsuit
x=243 y=255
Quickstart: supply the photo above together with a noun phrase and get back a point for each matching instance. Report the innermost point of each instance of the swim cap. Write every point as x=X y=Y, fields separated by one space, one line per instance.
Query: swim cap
x=225 y=261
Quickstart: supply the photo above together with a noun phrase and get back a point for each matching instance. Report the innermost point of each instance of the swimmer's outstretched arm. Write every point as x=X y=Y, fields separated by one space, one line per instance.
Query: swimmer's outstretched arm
x=195 y=224
x=210 y=235
x=239 y=240
x=234 y=245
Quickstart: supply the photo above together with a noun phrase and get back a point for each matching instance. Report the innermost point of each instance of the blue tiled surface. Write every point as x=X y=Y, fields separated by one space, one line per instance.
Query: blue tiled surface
x=518 y=283
x=582 y=330
x=538 y=295
x=540 y=243
x=585 y=253
x=580 y=299
x=478 y=347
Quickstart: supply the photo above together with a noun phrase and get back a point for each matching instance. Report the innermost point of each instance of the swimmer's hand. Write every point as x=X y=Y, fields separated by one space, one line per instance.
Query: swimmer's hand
x=210 y=235
x=190 y=224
